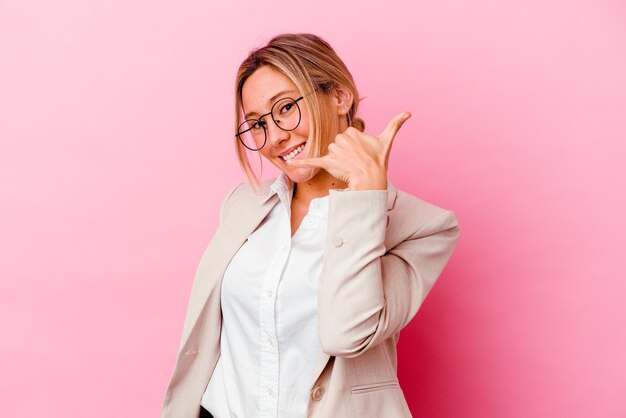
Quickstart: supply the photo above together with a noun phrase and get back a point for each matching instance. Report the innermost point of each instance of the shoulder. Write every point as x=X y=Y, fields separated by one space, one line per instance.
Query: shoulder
x=417 y=214
x=243 y=191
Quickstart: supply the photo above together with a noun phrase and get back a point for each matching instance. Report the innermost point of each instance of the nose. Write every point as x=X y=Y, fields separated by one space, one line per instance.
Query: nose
x=275 y=135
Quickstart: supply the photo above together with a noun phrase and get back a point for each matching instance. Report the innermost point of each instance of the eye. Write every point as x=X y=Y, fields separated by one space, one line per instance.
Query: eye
x=257 y=125
x=286 y=108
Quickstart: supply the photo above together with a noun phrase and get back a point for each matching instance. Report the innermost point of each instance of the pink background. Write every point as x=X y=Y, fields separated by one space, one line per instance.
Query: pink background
x=115 y=153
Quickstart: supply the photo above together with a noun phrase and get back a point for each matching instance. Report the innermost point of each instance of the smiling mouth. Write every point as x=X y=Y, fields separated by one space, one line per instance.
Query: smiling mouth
x=293 y=153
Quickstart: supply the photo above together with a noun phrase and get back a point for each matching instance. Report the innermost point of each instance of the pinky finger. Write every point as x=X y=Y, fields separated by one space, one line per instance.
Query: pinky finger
x=306 y=162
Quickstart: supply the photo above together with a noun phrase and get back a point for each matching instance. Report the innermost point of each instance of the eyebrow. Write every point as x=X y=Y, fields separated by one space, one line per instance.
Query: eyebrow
x=270 y=100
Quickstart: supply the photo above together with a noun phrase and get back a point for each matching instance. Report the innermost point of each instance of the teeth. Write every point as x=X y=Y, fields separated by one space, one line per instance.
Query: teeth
x=293 y=153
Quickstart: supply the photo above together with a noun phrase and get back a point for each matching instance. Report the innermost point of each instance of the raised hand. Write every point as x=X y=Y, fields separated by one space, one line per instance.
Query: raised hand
x=359 y=159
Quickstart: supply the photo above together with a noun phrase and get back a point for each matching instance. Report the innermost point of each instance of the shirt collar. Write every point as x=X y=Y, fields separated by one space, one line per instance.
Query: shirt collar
x=283 y=186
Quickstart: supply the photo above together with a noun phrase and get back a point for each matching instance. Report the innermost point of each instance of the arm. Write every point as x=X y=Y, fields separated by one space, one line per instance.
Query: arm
x=367 y=293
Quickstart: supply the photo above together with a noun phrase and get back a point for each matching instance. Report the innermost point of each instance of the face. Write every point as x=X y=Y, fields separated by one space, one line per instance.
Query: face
x=258 y=95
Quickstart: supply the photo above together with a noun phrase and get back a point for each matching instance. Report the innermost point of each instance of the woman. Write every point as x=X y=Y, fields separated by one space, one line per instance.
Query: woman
x=300 y=296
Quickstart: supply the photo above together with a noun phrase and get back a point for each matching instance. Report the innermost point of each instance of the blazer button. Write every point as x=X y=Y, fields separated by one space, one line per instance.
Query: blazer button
x=338 y=242
x=317 y=393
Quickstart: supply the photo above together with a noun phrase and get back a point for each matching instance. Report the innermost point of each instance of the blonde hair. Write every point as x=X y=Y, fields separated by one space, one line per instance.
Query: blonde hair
x=312 y=65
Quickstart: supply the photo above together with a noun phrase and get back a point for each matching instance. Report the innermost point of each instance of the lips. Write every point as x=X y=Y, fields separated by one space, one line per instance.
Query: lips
x=292 y=152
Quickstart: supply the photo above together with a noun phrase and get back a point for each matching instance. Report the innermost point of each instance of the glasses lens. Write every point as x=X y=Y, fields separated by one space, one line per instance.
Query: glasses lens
x=252 y=134
x=286 y=114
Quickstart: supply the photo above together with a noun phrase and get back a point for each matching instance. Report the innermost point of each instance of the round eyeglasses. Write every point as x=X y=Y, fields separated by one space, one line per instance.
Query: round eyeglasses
x=286 y=115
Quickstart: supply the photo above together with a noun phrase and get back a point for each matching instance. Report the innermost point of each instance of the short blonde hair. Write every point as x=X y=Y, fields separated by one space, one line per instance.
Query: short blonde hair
x=311 y=64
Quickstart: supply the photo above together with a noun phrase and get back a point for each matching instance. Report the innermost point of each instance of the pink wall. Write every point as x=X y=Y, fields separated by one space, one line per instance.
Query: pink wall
x=115 y=152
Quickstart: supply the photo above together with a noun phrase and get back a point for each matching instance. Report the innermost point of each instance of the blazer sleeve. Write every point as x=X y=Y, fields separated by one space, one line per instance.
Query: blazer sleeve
x=367 y=293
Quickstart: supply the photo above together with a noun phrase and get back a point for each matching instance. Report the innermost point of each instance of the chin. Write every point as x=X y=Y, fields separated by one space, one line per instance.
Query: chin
x=300 y=175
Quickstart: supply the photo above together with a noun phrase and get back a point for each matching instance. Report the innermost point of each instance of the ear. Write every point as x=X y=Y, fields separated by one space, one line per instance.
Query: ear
x=343 y=99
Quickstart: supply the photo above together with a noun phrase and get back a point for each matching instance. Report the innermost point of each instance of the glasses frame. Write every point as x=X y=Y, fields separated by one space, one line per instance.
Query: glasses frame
x=264 y=123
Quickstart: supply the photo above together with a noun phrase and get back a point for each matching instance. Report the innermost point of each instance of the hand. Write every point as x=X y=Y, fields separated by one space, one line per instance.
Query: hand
x=359 y=159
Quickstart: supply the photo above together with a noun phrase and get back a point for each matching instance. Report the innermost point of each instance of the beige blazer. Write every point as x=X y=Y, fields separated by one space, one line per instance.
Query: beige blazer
x=378 y=267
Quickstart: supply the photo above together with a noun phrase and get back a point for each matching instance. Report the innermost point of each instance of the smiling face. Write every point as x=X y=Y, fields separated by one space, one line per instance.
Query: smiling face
x=260 y=91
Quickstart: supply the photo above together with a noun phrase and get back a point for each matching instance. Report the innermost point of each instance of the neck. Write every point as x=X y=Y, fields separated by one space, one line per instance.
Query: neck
x=318 y=186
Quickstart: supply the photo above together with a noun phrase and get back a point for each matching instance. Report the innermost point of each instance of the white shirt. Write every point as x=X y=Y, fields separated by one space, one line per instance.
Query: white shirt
x=269 y=342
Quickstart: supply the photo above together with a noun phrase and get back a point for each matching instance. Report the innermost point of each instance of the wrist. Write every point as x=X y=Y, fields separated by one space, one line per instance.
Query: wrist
x=374 y=183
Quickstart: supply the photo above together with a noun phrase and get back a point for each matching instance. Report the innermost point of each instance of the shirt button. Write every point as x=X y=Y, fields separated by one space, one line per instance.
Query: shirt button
x=270 y=391
x=338 y=242
x=317 y=393
x=269 y=294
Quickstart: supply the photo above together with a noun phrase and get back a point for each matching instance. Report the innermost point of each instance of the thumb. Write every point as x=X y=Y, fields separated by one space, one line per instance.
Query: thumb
x=389 y=133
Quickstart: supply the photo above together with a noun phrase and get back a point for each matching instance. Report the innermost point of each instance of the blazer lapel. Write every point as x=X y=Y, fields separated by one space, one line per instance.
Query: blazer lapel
x=242 y=219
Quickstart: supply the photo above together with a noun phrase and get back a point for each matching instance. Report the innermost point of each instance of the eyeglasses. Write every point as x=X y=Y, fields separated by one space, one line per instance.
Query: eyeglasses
x=286 y=115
